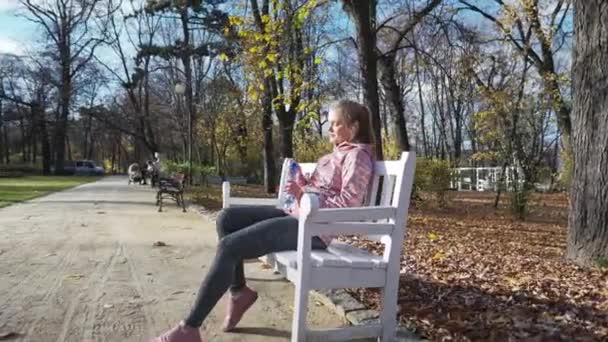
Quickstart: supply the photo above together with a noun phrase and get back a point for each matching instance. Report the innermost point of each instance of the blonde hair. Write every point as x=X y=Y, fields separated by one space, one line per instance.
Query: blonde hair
x=354 y=112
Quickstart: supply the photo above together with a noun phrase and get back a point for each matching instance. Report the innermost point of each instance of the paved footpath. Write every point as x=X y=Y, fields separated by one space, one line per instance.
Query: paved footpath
x=80 y=265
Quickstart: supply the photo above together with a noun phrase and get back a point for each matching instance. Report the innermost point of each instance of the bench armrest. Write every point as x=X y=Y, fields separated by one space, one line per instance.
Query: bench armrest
x=228 y=201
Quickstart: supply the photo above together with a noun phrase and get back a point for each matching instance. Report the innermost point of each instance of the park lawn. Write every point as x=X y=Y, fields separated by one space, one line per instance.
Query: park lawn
x=19 y=189
x=471 y=272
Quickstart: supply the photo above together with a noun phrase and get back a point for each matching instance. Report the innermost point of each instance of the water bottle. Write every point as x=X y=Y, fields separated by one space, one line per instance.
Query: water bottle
x=291 y=176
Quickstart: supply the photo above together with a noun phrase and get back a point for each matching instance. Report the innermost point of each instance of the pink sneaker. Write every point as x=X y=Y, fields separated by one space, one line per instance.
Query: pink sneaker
x=181 y=333
x=237 y=305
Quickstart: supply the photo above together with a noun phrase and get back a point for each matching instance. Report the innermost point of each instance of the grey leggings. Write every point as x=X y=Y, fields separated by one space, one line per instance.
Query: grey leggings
x=245 y=233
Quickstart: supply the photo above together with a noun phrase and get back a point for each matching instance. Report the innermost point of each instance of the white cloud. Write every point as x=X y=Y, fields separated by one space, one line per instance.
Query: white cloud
x=11 y=46
x=8 y=5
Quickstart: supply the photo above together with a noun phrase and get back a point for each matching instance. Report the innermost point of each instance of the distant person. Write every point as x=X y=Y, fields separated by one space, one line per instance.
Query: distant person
x=154 y=167
x=145 y=173
x=341 y=180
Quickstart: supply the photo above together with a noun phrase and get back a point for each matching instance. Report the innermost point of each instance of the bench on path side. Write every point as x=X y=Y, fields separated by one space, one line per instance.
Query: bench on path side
x=171 y=188
x=342 y=265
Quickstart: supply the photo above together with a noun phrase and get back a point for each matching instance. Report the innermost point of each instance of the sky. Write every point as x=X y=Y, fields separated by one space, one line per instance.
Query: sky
x=15 y=30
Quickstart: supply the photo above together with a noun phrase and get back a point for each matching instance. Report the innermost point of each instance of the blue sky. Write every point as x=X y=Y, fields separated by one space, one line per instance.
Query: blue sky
x=16 y=33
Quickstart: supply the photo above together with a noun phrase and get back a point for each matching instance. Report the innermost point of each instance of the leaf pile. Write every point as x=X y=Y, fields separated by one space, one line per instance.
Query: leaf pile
x=473 y=273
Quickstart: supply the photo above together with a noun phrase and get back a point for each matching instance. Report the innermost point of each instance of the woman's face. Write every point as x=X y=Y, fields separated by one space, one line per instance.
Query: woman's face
x=339 y=130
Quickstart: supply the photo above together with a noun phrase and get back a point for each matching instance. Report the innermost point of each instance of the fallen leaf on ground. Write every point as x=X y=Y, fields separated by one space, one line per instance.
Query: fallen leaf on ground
x=159 y=244
x=8 y=335
x=75 y=276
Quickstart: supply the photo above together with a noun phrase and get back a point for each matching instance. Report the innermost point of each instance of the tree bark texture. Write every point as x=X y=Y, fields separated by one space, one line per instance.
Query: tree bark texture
x=363 y=14
x=588 y=221
x=395 y=101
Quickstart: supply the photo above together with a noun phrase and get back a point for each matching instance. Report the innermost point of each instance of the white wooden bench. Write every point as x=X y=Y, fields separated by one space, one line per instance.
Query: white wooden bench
x=343 y=265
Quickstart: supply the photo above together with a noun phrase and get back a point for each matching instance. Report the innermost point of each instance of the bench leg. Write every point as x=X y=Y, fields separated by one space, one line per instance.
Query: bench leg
x=388 y=316
x=300 y=307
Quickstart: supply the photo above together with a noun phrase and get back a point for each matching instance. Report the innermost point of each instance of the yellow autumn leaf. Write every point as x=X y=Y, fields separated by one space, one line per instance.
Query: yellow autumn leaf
x=272 y=57
x=433 y=236
x=223 y=57
x=318 y=61
x=439 y=256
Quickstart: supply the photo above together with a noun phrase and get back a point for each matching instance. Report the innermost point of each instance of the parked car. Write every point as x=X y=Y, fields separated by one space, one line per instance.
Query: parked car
x=87 y=168
x=81 y=168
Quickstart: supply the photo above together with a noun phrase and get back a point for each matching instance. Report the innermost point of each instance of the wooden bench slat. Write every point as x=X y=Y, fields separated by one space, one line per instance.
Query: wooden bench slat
x=337 y=255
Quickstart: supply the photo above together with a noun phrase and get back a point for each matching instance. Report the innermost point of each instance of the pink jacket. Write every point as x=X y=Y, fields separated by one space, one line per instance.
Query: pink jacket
x=342 y=177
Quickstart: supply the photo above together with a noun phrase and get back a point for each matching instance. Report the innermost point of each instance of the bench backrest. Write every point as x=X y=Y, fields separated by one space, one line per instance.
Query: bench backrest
x=391 y=185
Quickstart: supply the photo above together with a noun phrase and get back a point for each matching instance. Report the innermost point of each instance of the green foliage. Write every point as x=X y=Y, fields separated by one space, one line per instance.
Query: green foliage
x=267 y=51
x=199 y=171
x=602 y=262
x=434 y=175
x=390 y=148
x=309 y=148
x=19 y=169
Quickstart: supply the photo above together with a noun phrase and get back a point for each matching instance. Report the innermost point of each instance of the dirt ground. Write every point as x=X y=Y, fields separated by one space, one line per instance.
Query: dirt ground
x=471 y=272
x=80 y=265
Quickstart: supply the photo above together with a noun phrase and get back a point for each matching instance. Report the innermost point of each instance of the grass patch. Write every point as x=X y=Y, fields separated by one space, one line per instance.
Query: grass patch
x=19 y=189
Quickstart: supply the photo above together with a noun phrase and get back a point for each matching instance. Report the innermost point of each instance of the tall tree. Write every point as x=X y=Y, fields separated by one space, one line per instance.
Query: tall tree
x=588 y=222
x=69 y=26
x=399 y=29
x=363 y=13
x=139 y=30
x=537 y=37
x=204 y=15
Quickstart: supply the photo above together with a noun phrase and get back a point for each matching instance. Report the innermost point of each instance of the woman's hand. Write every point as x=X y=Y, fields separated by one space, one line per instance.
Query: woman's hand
x=293 y=188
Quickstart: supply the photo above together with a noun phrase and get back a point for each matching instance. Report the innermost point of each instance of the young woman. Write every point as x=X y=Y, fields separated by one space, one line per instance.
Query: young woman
x=340 y=179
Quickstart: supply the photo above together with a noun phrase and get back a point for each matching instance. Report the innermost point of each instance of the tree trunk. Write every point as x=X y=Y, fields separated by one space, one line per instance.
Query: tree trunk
x=286 y=139
x=46 y=148
x=33 y=144
x=588 y=221
x=393 y=95
x=7 y=151
x=62 y=123
x=421 y=100
x=363 y=14
x=186 y=60
x=269 y=162
x=68 y=147
x=23 y=140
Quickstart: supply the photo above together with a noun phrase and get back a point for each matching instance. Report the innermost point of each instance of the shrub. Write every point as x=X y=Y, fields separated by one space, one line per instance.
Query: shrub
x=20 y=169
x=434 y=175
x=308 y=149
